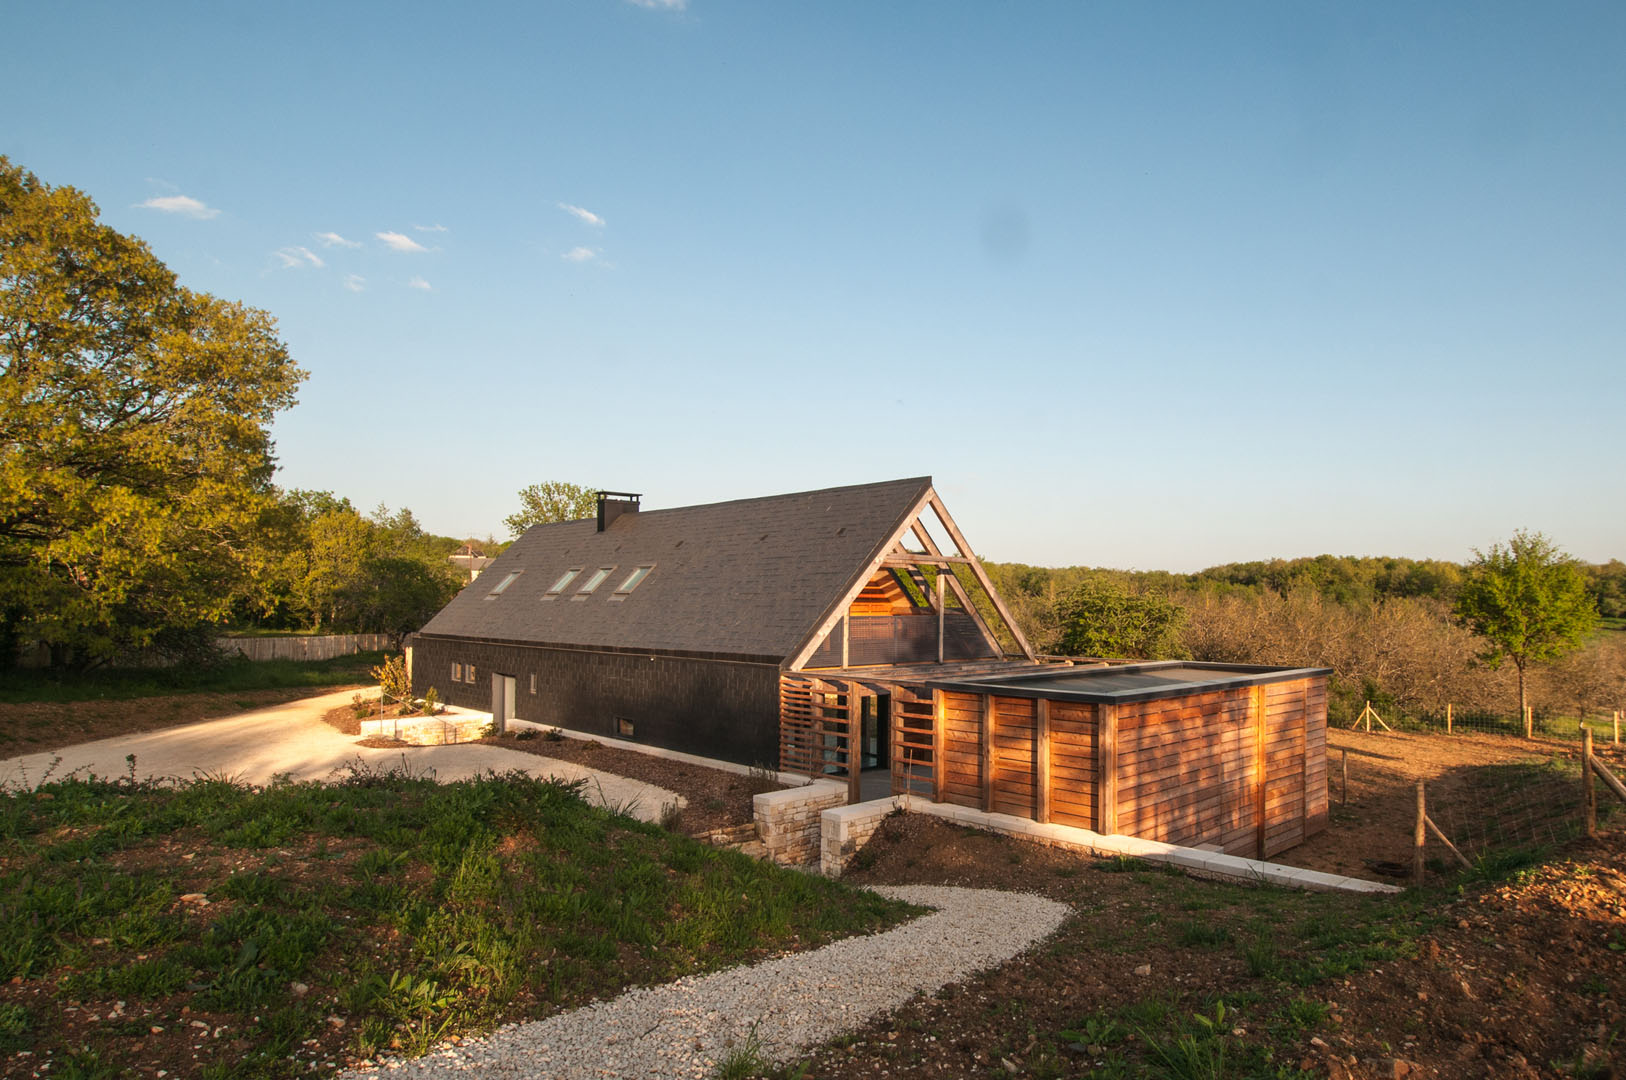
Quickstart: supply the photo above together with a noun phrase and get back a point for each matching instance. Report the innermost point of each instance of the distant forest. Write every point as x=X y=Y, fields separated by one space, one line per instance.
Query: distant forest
x=1384 y=625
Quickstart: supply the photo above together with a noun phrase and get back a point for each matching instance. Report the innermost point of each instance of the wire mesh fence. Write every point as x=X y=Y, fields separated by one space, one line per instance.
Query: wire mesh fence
x=1607 y=726
x=1508 y=811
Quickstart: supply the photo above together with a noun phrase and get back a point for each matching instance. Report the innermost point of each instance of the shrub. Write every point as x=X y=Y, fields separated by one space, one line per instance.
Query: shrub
x=393 y=680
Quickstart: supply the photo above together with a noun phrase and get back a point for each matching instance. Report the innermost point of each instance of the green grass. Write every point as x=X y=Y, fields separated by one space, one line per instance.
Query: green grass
x=411 y=910
x=229 y=676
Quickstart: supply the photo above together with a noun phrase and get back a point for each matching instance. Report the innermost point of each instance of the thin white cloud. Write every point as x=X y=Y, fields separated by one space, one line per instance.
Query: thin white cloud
x=419 y=283
x=400 y=242
x=429 y=228
x=296 y=257
x=584 y=215
x=355 y=282
x=181 y=204
x=580 y=254
x=333 y=239
x=661 y=5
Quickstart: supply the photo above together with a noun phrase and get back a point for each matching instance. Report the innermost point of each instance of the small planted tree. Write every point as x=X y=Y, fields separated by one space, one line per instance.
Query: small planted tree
x=1528 y=601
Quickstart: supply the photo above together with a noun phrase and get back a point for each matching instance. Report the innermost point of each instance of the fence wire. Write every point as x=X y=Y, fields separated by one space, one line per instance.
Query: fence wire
x=1506 y=811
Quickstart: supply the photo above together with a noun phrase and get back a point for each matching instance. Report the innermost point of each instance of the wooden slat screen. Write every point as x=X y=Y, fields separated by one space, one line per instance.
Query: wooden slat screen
x=913 y=755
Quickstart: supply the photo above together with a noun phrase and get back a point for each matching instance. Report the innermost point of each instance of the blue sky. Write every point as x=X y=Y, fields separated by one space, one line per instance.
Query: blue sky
x=1141 y=285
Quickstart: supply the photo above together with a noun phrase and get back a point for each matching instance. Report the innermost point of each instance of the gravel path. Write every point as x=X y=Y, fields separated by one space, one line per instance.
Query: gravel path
x=792 y=1003
x=292 y=739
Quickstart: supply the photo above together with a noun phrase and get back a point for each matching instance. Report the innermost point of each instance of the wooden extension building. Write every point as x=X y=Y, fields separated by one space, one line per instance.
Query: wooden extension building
x=851 y=632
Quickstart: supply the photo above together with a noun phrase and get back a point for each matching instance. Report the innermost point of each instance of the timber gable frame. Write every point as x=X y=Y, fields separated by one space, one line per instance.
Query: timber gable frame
x=892 y=554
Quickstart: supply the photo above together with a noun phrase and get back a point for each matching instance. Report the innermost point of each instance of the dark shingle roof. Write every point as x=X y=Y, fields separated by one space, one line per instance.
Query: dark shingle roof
x=751 y=577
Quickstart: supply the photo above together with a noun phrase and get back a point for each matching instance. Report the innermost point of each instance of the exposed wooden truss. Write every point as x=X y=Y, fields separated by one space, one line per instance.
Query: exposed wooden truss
x=894 y=555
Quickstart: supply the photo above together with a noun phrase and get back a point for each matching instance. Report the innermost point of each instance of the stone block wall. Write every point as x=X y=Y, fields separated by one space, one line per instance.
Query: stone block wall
x=788 y=820
x=845 y=829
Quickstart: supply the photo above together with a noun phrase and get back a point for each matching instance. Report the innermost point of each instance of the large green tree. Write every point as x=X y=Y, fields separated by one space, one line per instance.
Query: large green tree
x=1099 y=617
x=553 y=500
x=135 y=455
x=1528 y=601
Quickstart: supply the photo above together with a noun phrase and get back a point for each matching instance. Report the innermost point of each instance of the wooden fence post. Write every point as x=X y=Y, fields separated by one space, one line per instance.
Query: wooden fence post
x=1419 y=837
x=1589 y=794
x=1529 y=721
x=1343 y=790
x=1106 y=766
x=1448 y=718
x=1617 y=727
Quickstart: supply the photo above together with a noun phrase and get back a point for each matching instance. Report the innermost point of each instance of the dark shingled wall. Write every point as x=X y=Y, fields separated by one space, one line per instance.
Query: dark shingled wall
x=718 y=708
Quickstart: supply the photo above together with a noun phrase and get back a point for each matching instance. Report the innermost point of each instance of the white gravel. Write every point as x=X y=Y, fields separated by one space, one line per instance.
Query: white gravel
x=790 y=1004
x=292 y=740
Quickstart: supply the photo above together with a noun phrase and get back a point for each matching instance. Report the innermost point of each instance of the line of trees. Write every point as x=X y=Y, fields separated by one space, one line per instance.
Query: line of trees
x=1515 y=625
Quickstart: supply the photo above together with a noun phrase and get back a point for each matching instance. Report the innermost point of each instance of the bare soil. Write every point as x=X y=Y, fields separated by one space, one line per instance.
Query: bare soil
x=717 y=799
x=31 y=727
x=1517 y=979
x=1372 y=823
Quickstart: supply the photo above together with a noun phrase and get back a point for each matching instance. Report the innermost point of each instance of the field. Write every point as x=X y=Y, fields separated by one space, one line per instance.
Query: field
x=213 y=931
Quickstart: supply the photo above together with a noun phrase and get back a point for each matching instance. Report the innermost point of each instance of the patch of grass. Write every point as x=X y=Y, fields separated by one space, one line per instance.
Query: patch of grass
x=1202 y=935
x=230 y=676
x=410 y=910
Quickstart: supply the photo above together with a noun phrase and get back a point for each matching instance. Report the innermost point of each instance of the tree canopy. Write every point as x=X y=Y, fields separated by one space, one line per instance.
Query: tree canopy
x=552 y=500
x=1101 y=618
x=135 y=454
x=1528 y=601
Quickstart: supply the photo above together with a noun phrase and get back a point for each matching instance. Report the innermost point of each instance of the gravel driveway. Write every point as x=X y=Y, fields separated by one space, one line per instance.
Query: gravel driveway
x=293 y=739
x=790 y=1004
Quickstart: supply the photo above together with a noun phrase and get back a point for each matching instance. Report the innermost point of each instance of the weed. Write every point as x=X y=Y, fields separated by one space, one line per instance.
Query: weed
x=1197 y=1053
x=743 y=1060
x=1306 y=1013
x=1202 y=935
x=1260 y=956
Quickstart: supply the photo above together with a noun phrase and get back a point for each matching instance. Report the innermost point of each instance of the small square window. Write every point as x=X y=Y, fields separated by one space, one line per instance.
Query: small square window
x=593 y=582
x=562 y=584
x=533 y=682
x=623 y=727
x=457 y=671
x=503 y=584
x=468 y=673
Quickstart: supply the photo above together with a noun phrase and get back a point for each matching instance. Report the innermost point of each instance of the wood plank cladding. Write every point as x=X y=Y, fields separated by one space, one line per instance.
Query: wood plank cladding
x=1242 y=768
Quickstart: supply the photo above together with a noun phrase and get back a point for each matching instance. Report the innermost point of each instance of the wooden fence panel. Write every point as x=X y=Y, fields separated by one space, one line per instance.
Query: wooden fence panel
x=1015 y=783
x=302 y=647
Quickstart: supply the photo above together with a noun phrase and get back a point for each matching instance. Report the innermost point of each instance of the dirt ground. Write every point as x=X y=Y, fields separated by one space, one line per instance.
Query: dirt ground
x=35 y=726
x=717 y=799
x=1516 y=979
x=1371 y=825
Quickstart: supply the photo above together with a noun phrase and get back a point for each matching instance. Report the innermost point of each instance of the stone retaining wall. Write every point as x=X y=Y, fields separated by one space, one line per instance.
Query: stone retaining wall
x=845 y=829
x=453 y=727
x=788 y=820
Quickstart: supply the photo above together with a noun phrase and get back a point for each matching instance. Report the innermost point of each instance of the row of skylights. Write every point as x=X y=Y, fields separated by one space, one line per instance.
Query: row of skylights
x=596 y=579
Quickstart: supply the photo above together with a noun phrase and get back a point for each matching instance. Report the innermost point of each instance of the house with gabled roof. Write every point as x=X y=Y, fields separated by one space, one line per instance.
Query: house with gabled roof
x=850 y=632
x=677 y=627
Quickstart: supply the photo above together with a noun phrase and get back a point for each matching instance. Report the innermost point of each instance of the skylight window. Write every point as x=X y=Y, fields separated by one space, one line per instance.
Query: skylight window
x=633 y=579
x=562 y=584
x=504 y=583
x=594 y=582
